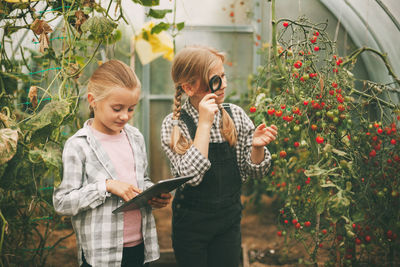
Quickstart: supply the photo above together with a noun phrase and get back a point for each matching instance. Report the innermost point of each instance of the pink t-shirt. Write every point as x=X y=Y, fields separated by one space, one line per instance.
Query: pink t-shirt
x=120 y=153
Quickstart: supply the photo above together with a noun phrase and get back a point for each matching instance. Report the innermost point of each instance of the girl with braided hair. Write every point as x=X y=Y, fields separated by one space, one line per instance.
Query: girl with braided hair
x=219 y=144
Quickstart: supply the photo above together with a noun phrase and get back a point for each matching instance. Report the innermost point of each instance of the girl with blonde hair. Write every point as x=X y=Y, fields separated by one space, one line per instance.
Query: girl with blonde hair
x=104 y=164
x=217 y=143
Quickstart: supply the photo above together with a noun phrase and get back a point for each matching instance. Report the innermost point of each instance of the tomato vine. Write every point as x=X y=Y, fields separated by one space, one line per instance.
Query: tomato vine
x=337 y=154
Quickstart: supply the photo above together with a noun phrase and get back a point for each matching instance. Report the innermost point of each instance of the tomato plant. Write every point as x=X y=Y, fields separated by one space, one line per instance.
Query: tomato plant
x=40 y=87
x=341 y=176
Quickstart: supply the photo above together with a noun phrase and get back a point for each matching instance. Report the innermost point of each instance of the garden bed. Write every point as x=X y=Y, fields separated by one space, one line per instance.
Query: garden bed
x=261 y=245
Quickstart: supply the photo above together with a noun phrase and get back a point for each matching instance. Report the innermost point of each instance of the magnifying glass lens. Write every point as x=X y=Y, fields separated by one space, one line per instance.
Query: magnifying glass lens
x=215 y=83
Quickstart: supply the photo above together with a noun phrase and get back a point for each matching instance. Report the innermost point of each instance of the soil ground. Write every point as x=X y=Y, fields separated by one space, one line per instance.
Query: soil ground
x=259 y=236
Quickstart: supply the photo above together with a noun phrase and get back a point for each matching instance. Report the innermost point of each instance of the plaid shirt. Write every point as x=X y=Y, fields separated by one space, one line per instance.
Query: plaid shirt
x=193 y=162
x=82 y=195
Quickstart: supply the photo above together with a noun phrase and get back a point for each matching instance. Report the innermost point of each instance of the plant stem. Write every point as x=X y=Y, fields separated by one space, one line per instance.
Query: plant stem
x=3 y=230
x=356 y=53
x=87 y=62
x=274 y=42
x=374 y=97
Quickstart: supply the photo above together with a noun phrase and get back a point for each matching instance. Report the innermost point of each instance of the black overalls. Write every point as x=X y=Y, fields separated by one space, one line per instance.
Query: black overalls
x=206 y=218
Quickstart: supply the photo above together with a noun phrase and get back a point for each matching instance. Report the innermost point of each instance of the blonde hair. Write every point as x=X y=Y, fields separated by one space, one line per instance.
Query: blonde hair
x=192 y=64
x=110 y=75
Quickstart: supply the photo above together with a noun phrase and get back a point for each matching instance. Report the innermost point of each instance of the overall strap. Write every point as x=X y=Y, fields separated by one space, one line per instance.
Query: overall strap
x=227 y=107
x=192 y=127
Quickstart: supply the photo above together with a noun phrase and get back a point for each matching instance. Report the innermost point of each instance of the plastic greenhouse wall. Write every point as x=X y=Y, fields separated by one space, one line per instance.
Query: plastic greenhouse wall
x=240 y=28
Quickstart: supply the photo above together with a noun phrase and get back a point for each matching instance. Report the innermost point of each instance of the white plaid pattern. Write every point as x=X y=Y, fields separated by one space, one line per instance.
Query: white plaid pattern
x=82 y=195
x=193 y=162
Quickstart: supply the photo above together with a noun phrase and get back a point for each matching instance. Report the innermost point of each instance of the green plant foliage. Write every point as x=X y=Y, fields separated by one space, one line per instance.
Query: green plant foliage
x=337 y=153
x=159 y=13
x=147 y=2
x=99 y=27
x=40 y=87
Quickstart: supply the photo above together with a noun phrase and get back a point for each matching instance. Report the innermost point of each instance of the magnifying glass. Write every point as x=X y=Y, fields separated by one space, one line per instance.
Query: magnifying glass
x=215 y=83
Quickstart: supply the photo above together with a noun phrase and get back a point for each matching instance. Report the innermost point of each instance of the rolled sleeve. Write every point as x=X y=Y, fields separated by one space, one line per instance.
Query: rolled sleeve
x=246 y=128
x=258 y=170
x=192 y=162
x=72 y=196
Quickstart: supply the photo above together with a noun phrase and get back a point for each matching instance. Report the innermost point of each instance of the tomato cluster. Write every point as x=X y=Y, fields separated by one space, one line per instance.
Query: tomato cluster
x=337 y=156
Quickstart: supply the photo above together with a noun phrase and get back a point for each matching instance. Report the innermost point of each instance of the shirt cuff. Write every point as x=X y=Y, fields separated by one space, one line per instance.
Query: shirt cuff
x=101 y=186
x=263 y=165
x=200 y=163
x=198 y=167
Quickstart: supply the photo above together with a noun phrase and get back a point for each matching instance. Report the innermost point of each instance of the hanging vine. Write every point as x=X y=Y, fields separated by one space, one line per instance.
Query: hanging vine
x=40 y=87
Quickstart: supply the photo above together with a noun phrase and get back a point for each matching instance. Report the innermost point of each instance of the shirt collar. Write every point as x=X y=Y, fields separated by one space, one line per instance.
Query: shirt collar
x=191 y=110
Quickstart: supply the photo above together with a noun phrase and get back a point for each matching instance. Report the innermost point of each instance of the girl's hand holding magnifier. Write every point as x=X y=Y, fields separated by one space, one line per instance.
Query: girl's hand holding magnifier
x=207 y=109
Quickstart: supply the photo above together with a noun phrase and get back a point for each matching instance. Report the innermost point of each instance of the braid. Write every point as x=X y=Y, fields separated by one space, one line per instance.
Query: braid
x=177 y=103
x=227 y=127
x=179 y=143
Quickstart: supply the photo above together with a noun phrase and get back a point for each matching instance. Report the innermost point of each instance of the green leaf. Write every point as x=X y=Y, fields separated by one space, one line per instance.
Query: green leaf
x=180 y=26
x=147 y=2
x=99 y=27
x=145 y=35
x=349 y=230
x=50 y=116
x=162 y=26
x=321 y=200
x=339 y=152
x=358 y=216
x=348 y=186
x=51 y=156
x=158 y=13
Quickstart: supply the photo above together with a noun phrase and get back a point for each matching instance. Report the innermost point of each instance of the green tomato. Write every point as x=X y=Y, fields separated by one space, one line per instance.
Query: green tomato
x=296 y=128
x=336 y=112
x=335 y=120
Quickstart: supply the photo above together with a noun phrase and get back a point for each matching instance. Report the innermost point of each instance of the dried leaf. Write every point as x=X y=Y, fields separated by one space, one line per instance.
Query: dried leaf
x=41 y=28
x=81 y=17
x=89 y=3
x=321 y=84
x=43 y=41
x=33 y=96
x=8 y=144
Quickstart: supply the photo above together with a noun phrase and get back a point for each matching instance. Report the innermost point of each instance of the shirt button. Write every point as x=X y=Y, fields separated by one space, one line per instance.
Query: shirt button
x=178 y=205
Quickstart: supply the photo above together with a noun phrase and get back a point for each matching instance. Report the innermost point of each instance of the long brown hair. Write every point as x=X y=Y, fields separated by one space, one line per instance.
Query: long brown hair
x=111 y=74
x=192 y=64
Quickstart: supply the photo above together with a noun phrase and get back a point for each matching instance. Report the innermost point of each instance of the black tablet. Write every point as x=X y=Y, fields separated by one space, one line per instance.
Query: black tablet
x=163 y=186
